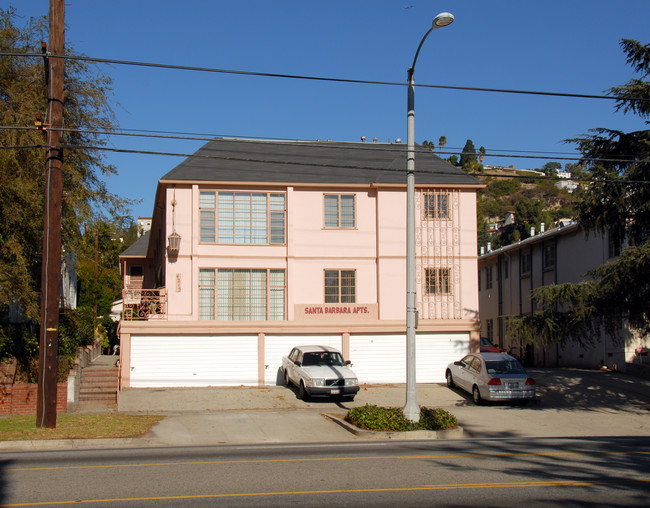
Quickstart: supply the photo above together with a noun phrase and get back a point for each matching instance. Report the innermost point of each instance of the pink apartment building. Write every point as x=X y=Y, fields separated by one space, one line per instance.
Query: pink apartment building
x=259 y=246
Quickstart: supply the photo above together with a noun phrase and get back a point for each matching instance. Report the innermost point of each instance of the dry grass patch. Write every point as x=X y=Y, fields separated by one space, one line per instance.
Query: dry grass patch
x=77 y=426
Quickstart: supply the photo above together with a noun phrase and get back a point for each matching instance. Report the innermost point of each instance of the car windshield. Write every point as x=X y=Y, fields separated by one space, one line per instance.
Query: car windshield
x=504 y=367
x=323 y=358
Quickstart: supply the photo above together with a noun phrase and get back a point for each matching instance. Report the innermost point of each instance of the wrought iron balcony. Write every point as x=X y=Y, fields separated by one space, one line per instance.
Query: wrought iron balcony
x=144 y=304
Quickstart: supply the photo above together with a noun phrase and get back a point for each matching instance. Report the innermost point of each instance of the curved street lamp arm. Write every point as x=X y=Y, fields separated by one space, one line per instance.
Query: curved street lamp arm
x=411 y=69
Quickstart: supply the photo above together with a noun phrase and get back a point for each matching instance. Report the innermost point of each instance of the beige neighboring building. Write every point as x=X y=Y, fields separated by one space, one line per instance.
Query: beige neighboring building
x=508 y=275
x=144 y=225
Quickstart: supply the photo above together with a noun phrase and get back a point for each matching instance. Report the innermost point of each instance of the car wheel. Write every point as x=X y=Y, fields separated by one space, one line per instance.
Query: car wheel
x=476 y=395
x=450 y=380
x=302 y=392
x=287 y=381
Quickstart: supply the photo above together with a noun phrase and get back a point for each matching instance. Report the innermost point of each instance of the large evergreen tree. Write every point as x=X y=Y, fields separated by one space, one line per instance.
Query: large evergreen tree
x=22 y=158
x=468 y=157
x=617 y=203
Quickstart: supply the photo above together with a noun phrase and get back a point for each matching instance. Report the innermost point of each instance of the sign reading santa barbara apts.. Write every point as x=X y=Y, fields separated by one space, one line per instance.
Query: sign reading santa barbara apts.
x=322 y=309
x=325 y=312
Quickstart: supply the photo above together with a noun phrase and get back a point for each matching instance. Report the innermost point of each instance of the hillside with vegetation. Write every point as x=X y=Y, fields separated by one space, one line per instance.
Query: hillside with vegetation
x=531 y=198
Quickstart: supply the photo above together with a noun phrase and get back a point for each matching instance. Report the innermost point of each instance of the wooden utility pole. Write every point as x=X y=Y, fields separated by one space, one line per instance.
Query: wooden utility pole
x=96 y=266
x=51 y=270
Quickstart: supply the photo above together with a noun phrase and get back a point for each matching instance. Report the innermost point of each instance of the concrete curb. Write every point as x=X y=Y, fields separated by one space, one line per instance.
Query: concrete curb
x=456 y=433
x=69 y=444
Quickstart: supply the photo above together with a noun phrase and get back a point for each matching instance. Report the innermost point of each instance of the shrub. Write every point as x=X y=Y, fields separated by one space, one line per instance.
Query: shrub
x=371 y=417
x=437 y=419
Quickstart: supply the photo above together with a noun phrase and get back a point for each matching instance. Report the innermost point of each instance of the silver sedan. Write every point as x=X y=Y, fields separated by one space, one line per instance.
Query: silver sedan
x=491 y=376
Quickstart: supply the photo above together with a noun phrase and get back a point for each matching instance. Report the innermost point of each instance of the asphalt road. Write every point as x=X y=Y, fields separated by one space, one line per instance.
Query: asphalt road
x=481 y=472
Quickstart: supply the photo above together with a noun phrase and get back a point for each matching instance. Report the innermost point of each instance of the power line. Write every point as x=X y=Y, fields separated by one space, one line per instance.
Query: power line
x=314 y=164
x=532 y=154
x=244 y=159
x=195 y=136
x=338 y=166
x=324 y=144
x=319 y=78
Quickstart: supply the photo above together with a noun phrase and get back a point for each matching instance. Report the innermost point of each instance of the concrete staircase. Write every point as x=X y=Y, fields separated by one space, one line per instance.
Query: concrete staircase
x=98 y=386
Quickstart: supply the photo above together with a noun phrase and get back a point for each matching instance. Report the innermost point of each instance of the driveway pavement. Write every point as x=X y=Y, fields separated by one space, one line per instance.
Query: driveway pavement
x=571 y=403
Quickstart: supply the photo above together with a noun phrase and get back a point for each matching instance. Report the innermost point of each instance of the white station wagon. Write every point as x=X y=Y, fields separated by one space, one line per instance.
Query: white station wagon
x=319 y=370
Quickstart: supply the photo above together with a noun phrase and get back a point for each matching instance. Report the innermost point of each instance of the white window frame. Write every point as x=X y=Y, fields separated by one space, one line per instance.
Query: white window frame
x=242 y=217
x=242 y=294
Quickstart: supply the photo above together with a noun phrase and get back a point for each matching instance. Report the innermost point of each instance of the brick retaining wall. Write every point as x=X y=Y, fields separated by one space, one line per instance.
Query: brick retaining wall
x=21 y=398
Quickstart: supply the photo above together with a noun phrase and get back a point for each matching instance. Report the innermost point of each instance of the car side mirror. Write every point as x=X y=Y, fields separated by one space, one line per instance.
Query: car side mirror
x=458 y=363
x=298 y=363
x=348 y=362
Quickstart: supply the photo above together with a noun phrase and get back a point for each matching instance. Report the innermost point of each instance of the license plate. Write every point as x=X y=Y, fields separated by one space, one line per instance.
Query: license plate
x=336 y=390
x=513 y=385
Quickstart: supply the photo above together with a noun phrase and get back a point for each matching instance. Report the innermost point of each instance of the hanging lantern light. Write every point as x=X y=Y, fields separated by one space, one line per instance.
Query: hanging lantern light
x=174 y=239
x=174 y=242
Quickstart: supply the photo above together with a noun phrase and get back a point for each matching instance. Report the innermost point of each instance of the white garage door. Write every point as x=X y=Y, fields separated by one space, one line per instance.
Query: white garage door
x=277 y=346
x=176 y=361
x=435 y=351
x=382 y=358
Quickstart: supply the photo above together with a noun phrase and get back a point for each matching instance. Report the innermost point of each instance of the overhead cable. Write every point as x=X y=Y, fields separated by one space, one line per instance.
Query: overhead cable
x=312 y=164
x=317 y=78
x=341 y=145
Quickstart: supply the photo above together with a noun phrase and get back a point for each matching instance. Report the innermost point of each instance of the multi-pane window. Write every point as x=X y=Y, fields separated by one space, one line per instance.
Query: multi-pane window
x=340 y=211
x=206 y=294
x=242 y=217
x=436 y=206
x=242 y=294
x=340 y=286
x=207 y=214
x=438 y=281
x=548 y=254
x=488 y=277
x=524 y=263
x=490 y=330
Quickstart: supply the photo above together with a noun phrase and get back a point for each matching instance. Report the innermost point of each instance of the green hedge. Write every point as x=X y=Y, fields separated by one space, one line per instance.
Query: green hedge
x=371 y=417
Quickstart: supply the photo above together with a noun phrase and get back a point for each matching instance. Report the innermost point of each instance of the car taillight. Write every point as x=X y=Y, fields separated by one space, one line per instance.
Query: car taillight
x=530 y=381
x=494 y=381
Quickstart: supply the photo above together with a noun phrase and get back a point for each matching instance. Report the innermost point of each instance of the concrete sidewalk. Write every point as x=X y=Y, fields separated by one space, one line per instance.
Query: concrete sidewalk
x=571 y=403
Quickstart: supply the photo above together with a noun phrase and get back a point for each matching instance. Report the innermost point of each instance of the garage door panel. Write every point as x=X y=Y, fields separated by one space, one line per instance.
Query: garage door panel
x=435 y=352
x=378 y=358
x=382 y=358
x=277 y=346
x=166 y=361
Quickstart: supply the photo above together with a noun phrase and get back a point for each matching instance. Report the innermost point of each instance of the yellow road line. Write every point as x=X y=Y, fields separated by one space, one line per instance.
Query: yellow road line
x=451 y=486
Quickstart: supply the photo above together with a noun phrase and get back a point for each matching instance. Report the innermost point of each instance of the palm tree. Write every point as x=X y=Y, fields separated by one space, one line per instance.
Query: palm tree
x=481 y=154
x=442 y=141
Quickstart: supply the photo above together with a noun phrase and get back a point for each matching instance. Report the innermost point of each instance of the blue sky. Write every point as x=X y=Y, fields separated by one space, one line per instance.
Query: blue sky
x=557 y=46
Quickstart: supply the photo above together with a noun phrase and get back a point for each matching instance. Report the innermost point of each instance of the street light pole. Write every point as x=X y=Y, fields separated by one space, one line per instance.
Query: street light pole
x=412 y=409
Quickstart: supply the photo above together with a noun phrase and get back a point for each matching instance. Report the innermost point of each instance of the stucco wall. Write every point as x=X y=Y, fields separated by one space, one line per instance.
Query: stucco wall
x=375 y=248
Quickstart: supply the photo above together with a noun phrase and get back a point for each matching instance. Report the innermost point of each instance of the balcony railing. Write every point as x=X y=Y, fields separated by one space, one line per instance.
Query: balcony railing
x=144 y=304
